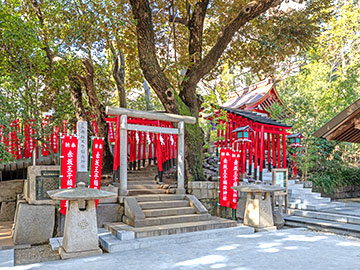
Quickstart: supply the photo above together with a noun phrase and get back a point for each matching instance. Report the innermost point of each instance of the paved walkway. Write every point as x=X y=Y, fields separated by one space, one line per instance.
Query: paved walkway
x=350 y=208
x=285 y=249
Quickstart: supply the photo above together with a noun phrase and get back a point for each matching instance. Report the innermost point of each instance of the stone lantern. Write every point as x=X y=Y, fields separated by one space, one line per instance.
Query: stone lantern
x=80 y=231
x=295 y=142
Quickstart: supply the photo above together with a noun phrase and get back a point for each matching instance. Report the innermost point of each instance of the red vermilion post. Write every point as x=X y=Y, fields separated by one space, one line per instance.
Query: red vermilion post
x=256 y=155
x=284 y=148
x=243 y=159
x=222 y=134
x=261 y=152
x=251 y=144
x=268 y=150
x=278 y=152
x=273 y=150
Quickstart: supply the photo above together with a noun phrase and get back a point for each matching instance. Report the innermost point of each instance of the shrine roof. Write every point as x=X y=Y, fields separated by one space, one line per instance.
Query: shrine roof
x=343 y=127
x=255 y=117
x=261 y=94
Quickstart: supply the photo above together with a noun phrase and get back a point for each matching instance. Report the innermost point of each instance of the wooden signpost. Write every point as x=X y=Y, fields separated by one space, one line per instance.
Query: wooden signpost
x=280 y=178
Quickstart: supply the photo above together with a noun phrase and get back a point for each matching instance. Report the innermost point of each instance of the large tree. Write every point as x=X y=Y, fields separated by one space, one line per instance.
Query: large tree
x=201 y=34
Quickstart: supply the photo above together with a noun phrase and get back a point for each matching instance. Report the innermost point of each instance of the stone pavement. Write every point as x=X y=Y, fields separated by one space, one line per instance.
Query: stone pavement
x=285 y=249
x=350 y=208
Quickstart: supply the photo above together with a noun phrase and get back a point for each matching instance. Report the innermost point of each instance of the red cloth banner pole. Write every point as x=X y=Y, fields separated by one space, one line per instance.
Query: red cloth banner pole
x=96 y=159
x=68 y=165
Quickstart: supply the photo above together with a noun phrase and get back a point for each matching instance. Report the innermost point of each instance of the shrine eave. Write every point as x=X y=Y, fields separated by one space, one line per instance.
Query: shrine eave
x=255 y=117
x=343 y=127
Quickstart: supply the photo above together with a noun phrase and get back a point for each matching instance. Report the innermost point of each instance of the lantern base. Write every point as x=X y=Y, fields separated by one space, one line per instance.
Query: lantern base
x=68 y=255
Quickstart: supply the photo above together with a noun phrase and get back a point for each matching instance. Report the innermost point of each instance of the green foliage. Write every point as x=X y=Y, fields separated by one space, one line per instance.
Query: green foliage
x=327 y=83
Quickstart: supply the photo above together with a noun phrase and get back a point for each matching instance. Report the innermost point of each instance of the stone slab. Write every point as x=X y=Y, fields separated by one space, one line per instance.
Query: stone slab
x=34 y=224
x=41 y=179
x=7 y=258
x=7 y=211
x=110 y=188
x=109 y=212
x=112 y=244
x=194 y=202
x=69 y=255
x=10 y=189
x=132 y=209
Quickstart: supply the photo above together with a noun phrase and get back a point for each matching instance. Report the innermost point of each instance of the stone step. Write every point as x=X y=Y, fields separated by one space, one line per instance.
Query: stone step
x=150 y=231
x=141 y=178
x=309 y=200
x=111 y=243
x=323 y=225
x=163 y=204
x=326 y=216
x=169 y=211
x=160 y=197
x=309 y=196
x=300 y=191
x=143 y=186
x=314 y=205
x=141 y=182
x=133 y=192
x=157 y=221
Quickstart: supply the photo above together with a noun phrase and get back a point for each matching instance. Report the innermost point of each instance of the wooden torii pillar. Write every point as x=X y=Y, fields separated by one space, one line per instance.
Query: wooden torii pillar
x=124 y=127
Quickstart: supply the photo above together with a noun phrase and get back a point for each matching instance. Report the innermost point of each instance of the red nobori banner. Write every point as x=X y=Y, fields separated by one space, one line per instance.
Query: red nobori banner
x=29 y=143
x=96 y=158
x=228 y=177
x=111 y=132
x=68 y=159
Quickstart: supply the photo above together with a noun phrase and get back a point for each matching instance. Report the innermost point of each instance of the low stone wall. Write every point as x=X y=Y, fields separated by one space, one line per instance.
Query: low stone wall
x=341 y=192
x=203 y=190
x=8 y=194
x=207 y=193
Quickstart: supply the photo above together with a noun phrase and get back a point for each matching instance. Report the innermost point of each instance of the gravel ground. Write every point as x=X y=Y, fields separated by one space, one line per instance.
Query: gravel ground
x=35 y=254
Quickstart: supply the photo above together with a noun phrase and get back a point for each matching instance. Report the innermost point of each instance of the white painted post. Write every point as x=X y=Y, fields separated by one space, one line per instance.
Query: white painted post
x=123 y=156
x=180 y=169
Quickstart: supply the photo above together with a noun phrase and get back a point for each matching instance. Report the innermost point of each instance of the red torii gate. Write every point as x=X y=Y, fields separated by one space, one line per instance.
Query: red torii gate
x=267 y=138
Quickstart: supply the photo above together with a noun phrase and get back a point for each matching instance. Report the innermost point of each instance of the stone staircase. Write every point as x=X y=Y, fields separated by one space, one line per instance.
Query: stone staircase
x=309 y=210
x=155 y=215
x=143 y=182
x=149 y=213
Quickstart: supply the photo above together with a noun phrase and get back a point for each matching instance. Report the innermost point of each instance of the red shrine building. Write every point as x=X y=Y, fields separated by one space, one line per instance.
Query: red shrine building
x=248 y=128
x=259 y=97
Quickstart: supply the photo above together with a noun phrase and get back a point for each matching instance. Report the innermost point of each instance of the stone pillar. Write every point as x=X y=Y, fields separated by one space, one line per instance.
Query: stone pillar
x=180 y=159
x=82 y=155
x=123 y=156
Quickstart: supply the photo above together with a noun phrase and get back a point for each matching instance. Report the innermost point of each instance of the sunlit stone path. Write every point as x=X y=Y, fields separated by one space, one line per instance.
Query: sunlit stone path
x=285 y=249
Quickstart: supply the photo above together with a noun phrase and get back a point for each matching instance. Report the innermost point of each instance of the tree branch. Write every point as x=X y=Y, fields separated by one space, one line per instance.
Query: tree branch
x=148 y=57
x=200 y=69
x=175 y=19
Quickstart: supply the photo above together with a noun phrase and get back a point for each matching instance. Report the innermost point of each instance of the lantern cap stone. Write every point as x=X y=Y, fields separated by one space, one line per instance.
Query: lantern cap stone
x=81 y=192
x=258 y=188
x=246 y=128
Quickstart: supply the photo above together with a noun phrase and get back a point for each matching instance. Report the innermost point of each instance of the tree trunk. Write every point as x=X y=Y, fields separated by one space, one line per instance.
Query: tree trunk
x=119 y=74
x=100 y=114
x=147 y=96
x=76 y=99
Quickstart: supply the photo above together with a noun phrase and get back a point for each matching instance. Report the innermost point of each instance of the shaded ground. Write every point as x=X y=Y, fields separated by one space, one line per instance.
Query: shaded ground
x=285 y=249
x=35 y=254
